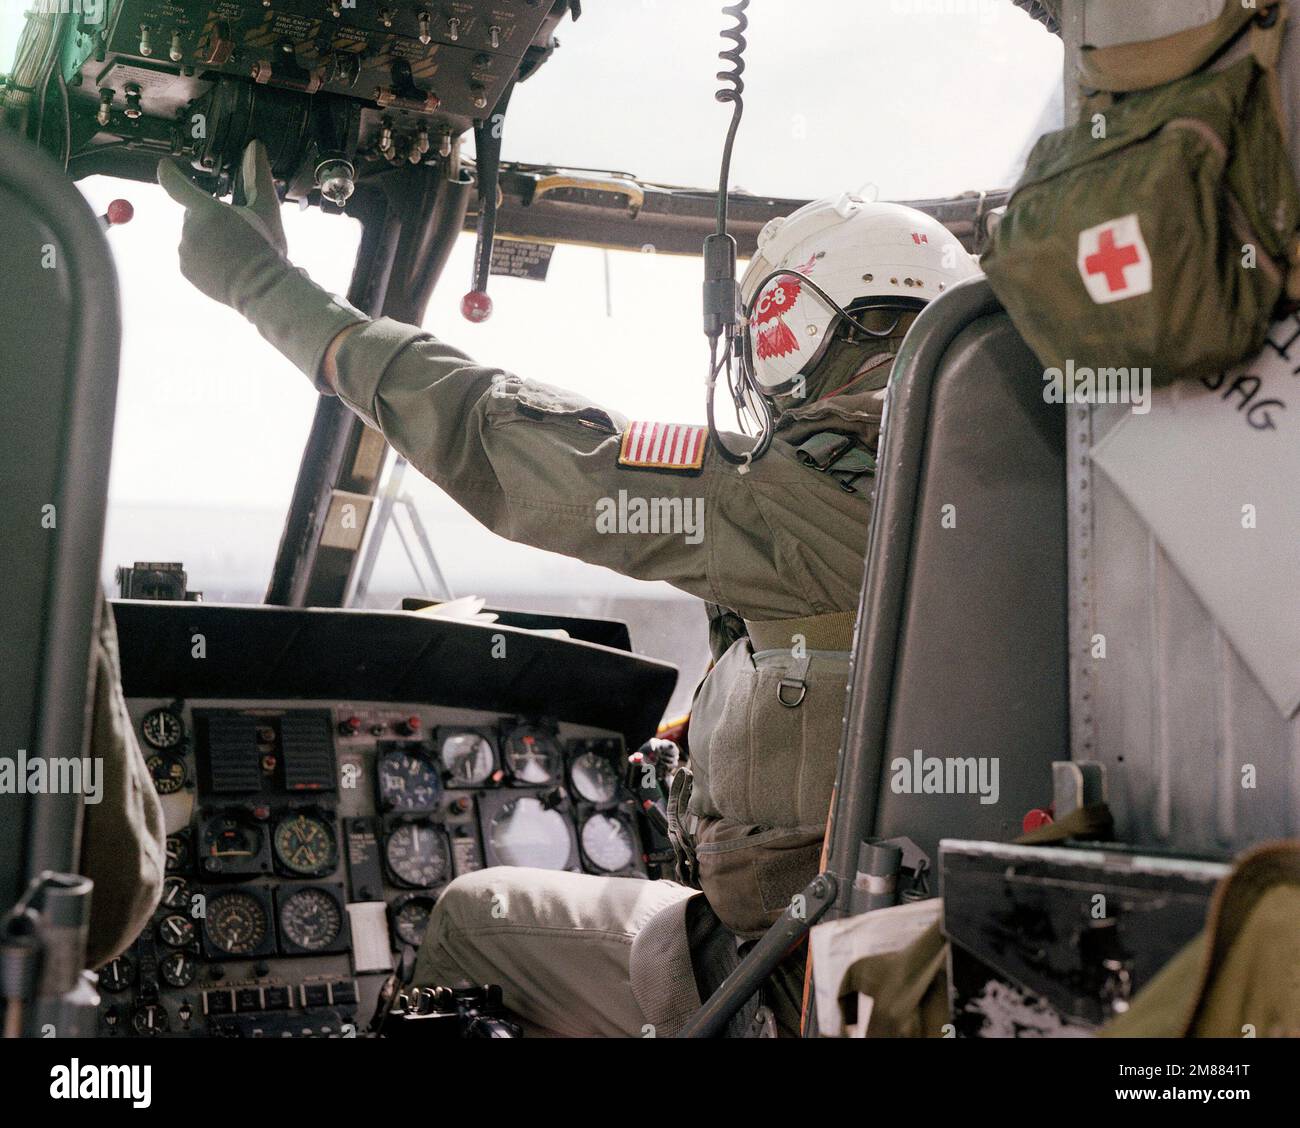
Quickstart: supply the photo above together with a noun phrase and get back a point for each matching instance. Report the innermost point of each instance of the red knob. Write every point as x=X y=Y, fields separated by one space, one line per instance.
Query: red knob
x=476 y=306
x=119 y=211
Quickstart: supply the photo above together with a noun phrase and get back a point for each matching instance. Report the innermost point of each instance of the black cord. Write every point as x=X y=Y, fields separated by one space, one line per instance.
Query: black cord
x=720 y=250
x=732 y=94
x=67 y=118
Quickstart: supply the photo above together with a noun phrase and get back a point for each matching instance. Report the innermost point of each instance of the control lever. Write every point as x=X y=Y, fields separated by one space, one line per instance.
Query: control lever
x=118 y=213
x=645 y=767
x=476 y=305
x=447 y=1012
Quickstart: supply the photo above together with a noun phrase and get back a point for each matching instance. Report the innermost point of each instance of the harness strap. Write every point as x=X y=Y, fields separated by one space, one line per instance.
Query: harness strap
x=833 y=631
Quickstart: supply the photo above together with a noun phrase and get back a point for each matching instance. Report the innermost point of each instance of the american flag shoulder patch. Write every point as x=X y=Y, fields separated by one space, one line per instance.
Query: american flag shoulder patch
x=663 y=446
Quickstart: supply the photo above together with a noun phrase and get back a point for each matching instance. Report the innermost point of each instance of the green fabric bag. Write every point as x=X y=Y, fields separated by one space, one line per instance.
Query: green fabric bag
x=1159 y=232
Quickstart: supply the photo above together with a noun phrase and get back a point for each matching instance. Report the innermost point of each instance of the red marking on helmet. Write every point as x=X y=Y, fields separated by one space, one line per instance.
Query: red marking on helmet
x=775 y=338
x=920 y=237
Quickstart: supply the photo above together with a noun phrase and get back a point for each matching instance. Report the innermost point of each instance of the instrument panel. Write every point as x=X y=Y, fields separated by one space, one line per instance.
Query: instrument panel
x=308 y=843
x=336 y=89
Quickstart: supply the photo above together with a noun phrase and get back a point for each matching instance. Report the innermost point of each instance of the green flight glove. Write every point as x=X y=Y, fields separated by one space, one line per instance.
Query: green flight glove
x=236 y=255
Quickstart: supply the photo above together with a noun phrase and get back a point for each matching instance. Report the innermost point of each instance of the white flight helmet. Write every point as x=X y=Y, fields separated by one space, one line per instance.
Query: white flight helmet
x=863 y=254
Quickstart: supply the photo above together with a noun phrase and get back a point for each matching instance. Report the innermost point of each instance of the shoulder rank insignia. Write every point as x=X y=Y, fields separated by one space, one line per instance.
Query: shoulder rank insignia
x=663 y=446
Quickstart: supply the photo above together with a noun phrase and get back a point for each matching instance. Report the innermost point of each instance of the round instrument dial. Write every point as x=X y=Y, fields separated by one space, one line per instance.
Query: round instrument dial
x=304 y=844
x=167 y=772
x=594 y=778
x=175 y=930
x=236 y=923
x=417 y=854
x=311 y=919
x=162 y=729
x=178 y=852
x=607 y=841
x=524 y=833
x=176 y=894
x=178 y=969
x=408 y=780
x=149 y=1020
x=532 y=756
x=117 y=975
x=411 y=918
x=467 y=758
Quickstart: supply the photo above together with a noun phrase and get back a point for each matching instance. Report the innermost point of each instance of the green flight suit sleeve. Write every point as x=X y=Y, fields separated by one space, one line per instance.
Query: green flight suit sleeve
x=539 y=465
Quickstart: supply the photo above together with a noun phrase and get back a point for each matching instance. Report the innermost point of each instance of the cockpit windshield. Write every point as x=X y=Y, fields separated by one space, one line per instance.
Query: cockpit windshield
x=207 y=449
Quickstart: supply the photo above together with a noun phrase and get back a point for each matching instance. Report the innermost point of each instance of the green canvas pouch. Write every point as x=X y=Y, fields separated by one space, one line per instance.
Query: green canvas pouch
x=1160 y=231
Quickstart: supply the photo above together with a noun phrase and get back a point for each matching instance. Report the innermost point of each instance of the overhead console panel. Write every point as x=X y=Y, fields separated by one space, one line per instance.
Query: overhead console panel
x=379 y=82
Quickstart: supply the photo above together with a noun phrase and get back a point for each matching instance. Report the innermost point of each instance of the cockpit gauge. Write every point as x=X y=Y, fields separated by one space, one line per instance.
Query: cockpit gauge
x=310 y=920
x=467 y=758
x=176 y=930
x=167 y=772
x=162 y=729
x=176 y=894
x=233 y=844
x=408 y=778
x=117 y=975
x=417 y=854
x=594 y=777
x=304 y=844
x=607 y=843
x=178 y=852
x=410 y=916
x=524 y=832
x=177 y=969
x=149 y=1020
x=532 y=755
x=237 y=924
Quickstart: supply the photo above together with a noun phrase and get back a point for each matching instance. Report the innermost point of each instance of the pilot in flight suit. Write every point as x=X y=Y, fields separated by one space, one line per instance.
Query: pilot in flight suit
x=782 y=549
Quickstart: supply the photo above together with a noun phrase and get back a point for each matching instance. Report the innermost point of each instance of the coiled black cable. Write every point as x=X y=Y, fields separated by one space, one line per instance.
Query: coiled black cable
x=732 y=94
x=720 y=300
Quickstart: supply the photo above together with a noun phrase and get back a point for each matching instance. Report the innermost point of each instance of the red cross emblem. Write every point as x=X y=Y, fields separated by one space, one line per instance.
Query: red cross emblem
x=1113 y=260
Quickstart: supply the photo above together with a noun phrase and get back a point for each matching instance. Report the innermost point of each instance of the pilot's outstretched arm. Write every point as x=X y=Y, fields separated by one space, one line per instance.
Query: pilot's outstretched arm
x=532 y=462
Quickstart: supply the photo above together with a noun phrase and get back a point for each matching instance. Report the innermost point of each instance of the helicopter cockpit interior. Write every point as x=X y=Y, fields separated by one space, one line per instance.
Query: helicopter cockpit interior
x=378 y=697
